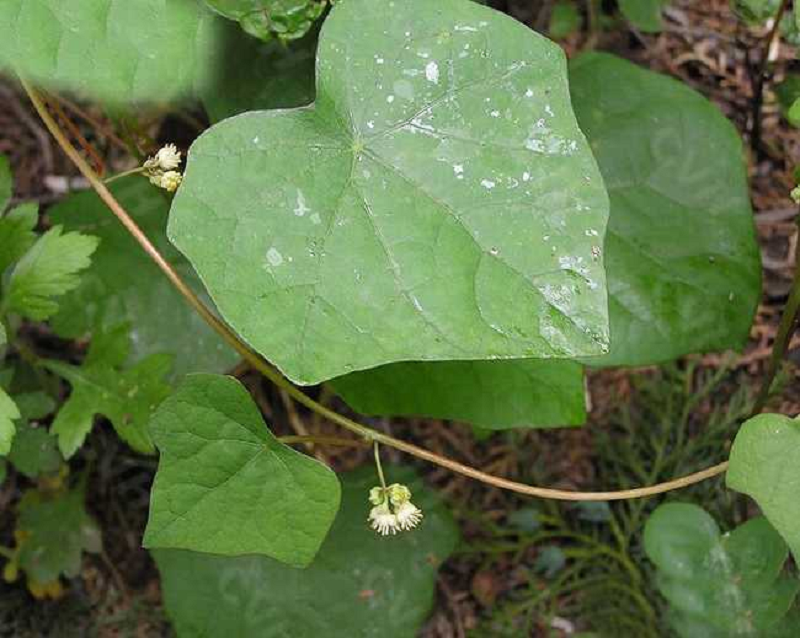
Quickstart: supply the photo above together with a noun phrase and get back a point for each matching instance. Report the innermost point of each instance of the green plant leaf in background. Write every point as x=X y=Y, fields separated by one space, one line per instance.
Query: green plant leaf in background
x=765 y=465
x=684 y=271
x=360 y=585
x=6 y=183
x=493 y=395
x=719 y=586
x=8 y=414
x=257 y=75
x=269 y=19
x=405 y=217
x=226 y=485
x=35 y=451
x=55 y=531
x=755 y=12
x=124 y=285
x=788 y=94
x=564 y=19
x=49 y=269
x=113 y=50
x=126 y=397
x=16 y=226
x=645 y=15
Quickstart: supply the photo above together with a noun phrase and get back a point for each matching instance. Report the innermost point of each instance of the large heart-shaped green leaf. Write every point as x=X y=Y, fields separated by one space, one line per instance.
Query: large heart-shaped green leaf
x=765 y=464
x=719 y=586
x=684 y=273
x=116 y=50
x=494 y=395
x=124 y=285
x=361 y=585
x=438 y=202
x=226 y=485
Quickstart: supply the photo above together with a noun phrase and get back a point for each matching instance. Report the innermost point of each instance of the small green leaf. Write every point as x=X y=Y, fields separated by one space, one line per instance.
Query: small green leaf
x=404 y=217
x=8 y=414
x=765 y=465
x=683 y=263
x=16 y=233
x=261 y=75
x=49 y=269
x=268 y=19
x=493 y=395
x=56 y=531
x=756 y=12
x=564 y=19
x=226 y=485
x=126 y=397
x=124 y=285
x=113 y=50
x=645 y=15
x=34 y=452
x=360 y=585
x=718 y=585
x=34 y=405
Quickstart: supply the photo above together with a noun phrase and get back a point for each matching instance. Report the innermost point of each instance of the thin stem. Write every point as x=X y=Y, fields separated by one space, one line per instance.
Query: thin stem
x=320 y=440
x=782 y=339
x=262 y=366
x=114 y=178
x=378 y=465
x=760 y=79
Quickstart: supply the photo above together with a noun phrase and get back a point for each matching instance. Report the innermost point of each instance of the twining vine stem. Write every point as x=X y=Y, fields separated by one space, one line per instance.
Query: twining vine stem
x=261 y=365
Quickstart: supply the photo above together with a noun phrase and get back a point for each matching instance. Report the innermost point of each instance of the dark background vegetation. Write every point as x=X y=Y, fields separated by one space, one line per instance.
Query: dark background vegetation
x=524 y=568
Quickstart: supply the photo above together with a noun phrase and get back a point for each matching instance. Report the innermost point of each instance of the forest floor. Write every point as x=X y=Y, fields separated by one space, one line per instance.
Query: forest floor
x=486 y=589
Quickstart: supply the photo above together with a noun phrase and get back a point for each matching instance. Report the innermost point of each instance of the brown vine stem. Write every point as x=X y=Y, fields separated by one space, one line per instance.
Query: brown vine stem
x=262 y=366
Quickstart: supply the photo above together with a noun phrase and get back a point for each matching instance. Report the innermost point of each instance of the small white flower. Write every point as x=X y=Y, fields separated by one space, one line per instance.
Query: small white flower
x=168 y=158
x=795 y=194
x=393 y=510
x=408 y=516
x=382 y=520
x=170 y=181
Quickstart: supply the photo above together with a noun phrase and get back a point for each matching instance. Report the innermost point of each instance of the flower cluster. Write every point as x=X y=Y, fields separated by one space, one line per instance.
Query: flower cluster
x=393 y=510
x=160 y=170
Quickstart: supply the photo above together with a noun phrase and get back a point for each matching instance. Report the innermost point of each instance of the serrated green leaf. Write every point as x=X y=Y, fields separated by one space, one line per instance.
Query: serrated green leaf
x=269 y=19
x=48 y=270
x=113 y=50
x=494 y=395
x=124 y=285
x=127 y=397
x=56 y=531
x=765 y=465
x=683 y=264
x=261 y=75
x=226 y=485
x=719 y=585
x=17 y=233
x=8 y=414
x=360 y=585
x=34 y=452
x=645 y=15
x=404 y=217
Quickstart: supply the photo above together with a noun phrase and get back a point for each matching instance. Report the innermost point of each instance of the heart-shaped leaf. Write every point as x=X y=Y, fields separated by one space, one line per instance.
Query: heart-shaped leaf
x=765 y=464
x=438 y=202
x=684 y=272
x=226 y=485
x=719 y=585
x=361 y=585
